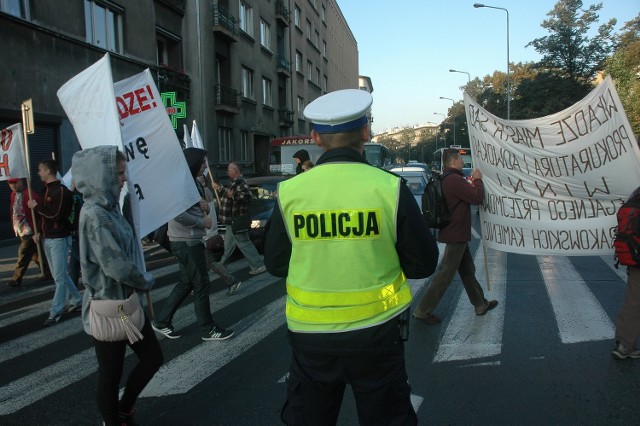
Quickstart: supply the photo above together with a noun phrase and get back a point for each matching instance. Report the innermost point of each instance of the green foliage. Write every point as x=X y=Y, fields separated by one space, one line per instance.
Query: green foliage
x=567 y=50
x=545 y=94
x=624 y=68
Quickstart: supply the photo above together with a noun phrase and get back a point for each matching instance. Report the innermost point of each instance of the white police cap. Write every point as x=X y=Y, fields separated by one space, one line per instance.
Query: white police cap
x=340 y=111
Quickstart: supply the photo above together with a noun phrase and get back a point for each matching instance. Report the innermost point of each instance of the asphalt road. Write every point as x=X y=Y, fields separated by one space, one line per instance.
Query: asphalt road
x=543 y=356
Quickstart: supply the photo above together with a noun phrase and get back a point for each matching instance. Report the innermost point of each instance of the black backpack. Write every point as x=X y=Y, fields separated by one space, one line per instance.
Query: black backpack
x=434 y=205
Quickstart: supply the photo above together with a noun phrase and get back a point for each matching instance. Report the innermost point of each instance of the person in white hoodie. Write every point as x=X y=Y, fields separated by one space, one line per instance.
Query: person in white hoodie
x=112 y=269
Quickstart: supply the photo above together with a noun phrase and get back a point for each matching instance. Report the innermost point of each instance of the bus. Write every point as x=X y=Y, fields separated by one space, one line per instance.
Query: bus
x=438 y=167
x=281 y=159
x=377 y=155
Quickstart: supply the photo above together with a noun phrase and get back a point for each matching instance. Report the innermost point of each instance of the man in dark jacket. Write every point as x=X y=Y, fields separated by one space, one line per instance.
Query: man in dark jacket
x=460 y=194
x=53 y=213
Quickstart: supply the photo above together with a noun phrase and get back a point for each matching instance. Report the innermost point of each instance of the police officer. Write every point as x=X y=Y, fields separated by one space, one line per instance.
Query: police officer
x=346 y=236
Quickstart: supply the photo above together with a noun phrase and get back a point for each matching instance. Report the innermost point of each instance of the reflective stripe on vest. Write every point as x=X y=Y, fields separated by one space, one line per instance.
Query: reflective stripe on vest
x=349 y=314
x=346 y=298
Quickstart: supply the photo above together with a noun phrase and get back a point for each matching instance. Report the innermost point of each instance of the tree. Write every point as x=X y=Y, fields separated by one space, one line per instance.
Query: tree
x=624 y=68
x=568 y=51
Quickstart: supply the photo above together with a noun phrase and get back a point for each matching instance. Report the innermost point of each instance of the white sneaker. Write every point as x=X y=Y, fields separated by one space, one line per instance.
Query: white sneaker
x=258 y=271
x=233 y=288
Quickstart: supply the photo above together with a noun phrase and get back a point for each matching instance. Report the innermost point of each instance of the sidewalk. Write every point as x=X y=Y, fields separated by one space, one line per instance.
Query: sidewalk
x=155 y=257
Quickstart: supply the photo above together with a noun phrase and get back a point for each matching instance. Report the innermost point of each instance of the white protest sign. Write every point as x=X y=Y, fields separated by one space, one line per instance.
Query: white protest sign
x=88 y=100
x=157 y=170
x=196 y=137
x=13 y=163
x=553 y=185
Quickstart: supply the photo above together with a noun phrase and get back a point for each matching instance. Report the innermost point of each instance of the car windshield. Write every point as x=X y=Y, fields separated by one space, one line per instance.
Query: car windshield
x=415 y=184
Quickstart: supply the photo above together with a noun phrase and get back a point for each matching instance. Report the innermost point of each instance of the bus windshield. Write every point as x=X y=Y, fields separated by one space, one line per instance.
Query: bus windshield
x=377 y=155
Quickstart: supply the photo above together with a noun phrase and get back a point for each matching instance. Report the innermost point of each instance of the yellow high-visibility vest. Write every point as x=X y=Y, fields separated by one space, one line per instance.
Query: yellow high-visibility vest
x=344 y=272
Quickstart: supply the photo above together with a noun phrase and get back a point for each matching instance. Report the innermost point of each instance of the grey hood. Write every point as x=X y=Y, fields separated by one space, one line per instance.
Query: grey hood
x=95 y=172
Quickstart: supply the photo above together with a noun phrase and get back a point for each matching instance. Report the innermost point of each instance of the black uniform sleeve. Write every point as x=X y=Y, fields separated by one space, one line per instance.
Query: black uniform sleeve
x=277 y=246
x=416 y=246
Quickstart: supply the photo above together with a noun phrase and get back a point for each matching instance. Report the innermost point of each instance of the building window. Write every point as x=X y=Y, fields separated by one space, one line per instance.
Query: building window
x=323 y=13
x=325 y=83
x=247 y=83
x=324 y=48
x=308 y=30
x=245 y=151
x=316 y=39
x=296 y=16
x=298 y=61
x=17 y=8
x=168 y=48
x=265 y=34
x=300 y=106
x=267 y=98
x=224 y=144
x=309 y=70
x=103 y=26
x=317 y=80
x=246 y=18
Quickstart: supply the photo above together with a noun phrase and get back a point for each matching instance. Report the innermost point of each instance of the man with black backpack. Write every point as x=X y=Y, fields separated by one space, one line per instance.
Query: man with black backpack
x=459 y=195
x=627 y=253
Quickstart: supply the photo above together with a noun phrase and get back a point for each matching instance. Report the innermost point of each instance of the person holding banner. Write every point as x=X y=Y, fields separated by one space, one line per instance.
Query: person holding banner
x=186 y=232
x=53 y=212
x=459 y=195
x=24 y=229
x=112 y=269
x=234 y=199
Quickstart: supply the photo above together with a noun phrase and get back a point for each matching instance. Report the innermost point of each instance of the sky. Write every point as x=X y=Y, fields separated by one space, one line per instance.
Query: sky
x=407 y=47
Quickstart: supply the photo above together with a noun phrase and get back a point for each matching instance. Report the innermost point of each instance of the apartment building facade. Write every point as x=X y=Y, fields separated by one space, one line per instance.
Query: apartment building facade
x=243 y=69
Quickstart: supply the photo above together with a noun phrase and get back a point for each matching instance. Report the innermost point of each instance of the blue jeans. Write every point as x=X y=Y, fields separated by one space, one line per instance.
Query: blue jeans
x=242 y=241
x=57 y=251
x=193 y=276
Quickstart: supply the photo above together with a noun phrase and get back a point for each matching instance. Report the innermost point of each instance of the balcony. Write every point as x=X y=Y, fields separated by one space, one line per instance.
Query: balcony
x=282 y=13
x=284 y=66
x=285 y=117
x=224 y=23
x=227 y=99
x=172 y=80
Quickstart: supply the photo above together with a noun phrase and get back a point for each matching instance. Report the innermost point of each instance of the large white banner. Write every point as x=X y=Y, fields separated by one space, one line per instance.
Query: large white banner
x=88 y=100
x=158 y=172
x=13 y=163
x=130 y=115
x=554 y=184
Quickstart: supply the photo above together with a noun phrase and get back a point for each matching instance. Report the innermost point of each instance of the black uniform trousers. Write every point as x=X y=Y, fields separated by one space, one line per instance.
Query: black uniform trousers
x=316 y=385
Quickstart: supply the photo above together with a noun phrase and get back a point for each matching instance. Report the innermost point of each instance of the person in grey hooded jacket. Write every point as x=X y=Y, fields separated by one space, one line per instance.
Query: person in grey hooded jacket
x=112 y=269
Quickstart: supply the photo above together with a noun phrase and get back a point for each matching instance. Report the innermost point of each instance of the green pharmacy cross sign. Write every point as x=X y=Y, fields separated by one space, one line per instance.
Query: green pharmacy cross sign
x=176 y=110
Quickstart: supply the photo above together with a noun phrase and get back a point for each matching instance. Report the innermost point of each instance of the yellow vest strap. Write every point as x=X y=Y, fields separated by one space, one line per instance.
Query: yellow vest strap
x=344 y=298
x=347 y=314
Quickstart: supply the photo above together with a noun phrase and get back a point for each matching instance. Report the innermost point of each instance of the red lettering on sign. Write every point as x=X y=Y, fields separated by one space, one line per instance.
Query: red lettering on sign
x=4 y=165
x=135 y=102
x=171 y=110
x=6 y=136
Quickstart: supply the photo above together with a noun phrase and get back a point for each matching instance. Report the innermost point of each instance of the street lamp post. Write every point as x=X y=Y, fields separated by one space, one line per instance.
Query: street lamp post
x=463 y=72
x=443 y=118
x=454 y=119
x=477 y=5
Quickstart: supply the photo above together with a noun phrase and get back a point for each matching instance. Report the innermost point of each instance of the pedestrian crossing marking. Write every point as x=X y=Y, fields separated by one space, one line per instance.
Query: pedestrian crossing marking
x=579 y=315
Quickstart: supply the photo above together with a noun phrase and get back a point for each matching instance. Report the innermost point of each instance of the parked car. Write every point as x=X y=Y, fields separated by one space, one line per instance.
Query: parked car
x=416 y=179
